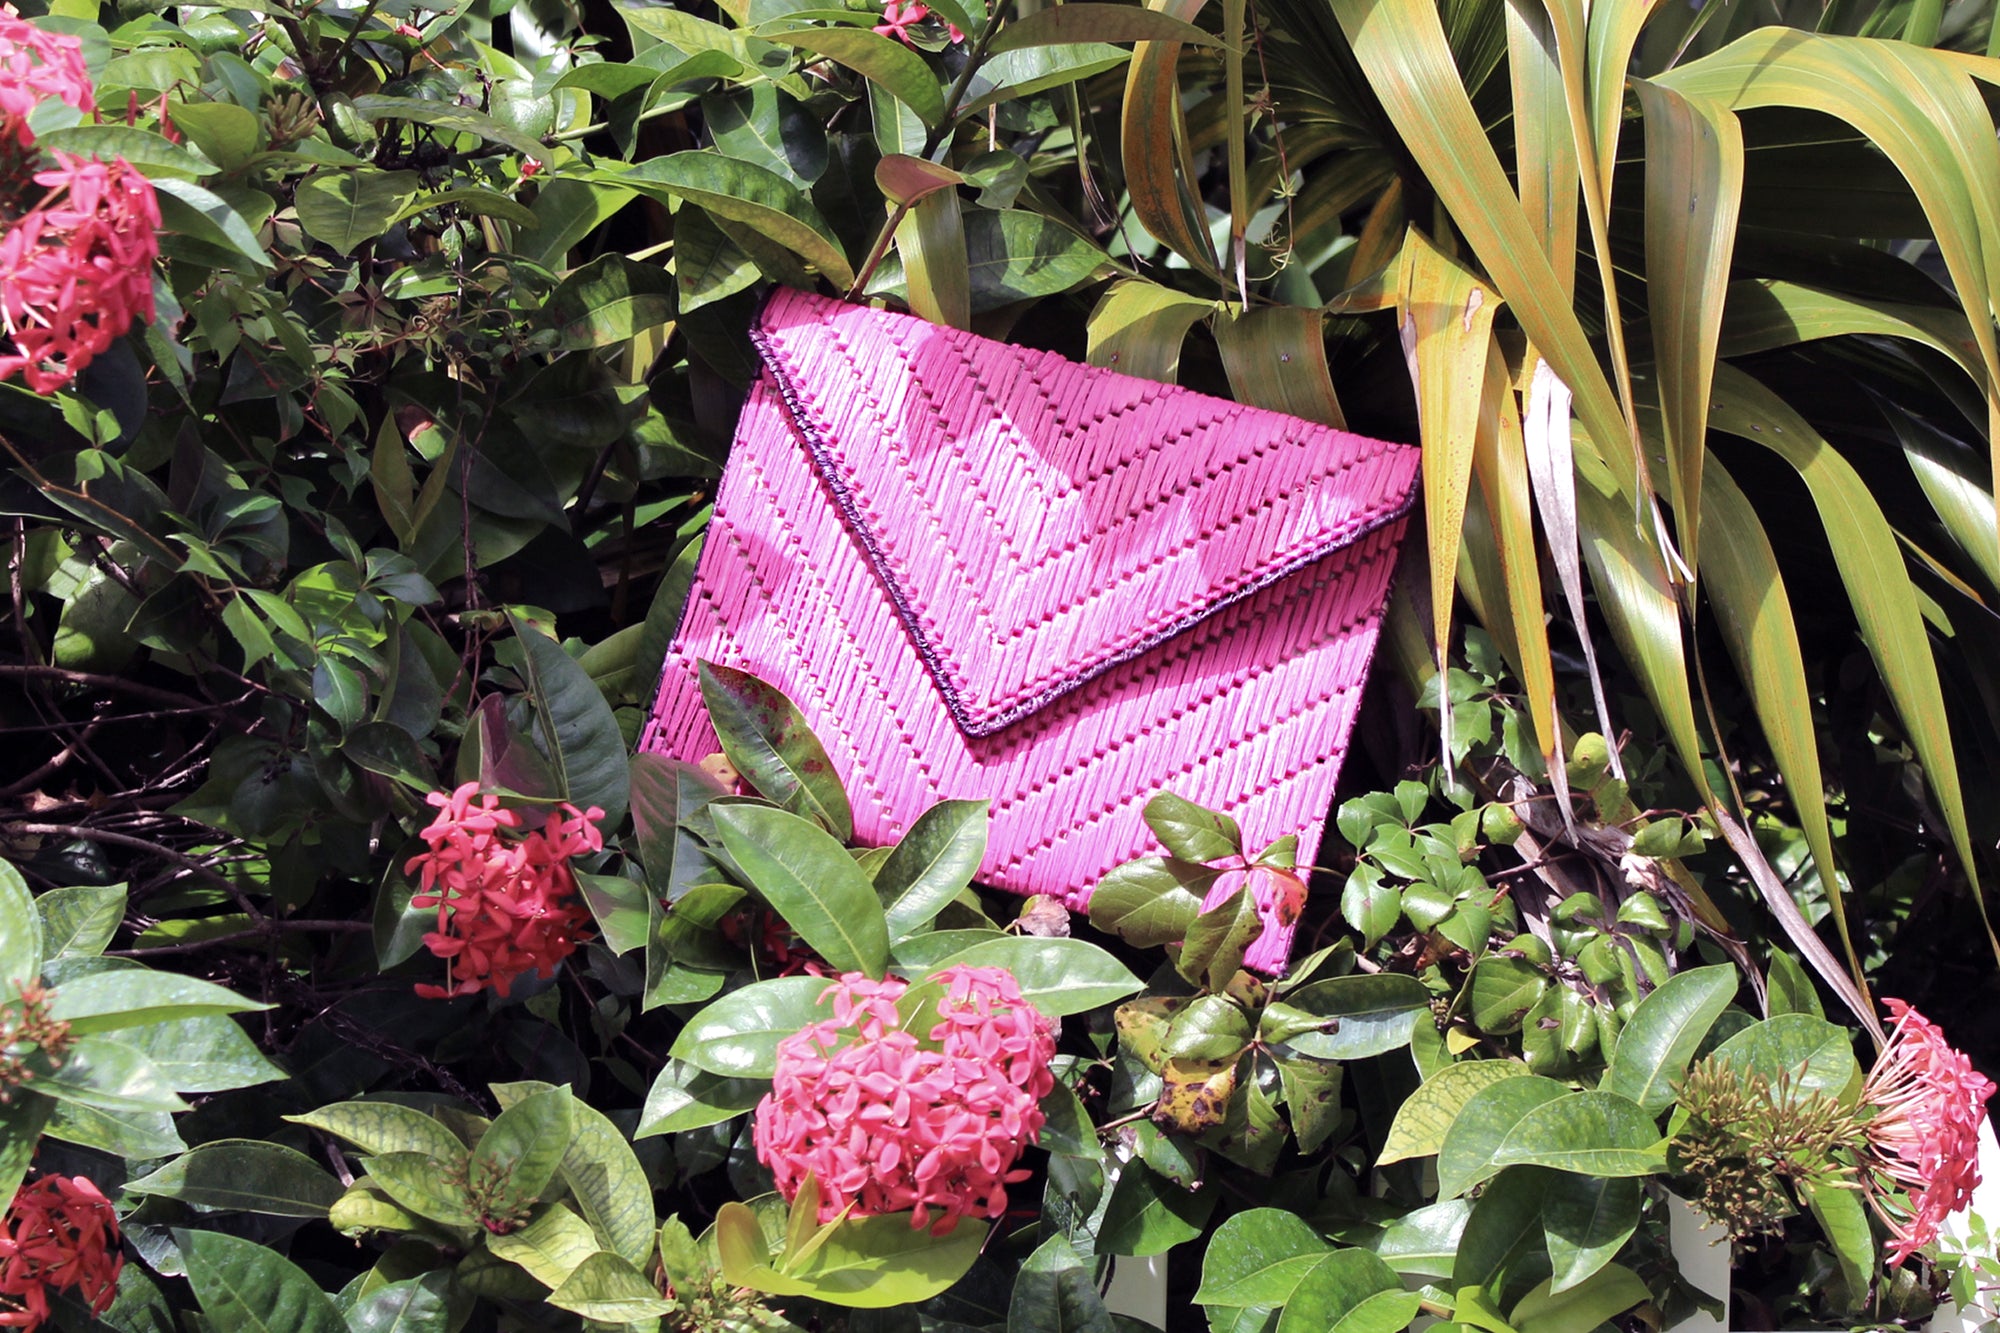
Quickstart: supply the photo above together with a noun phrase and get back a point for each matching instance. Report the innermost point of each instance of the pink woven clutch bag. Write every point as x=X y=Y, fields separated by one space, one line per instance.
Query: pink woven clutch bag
x=984 y=571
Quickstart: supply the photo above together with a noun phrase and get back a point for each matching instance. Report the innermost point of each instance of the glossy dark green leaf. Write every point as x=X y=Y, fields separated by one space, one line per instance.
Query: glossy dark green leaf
x=769 y=743
x=1056 y=1292
x=1149 y=1214
x=1586 y=1220
x=611 y=300
x=579 y=734
x=247 y=1287
x=608 y=1288
x=1057 y=976
x=130 y=997
x=1349 y=1018
x=1789 y=989
x=752 y=196
x=76 y=919
x=1150 y=901
x=413 y=1305
x=1611 y=1290
x=621 y=908
x=931 y=865
x=346 y=209
x=605 y=1180
x=21 y=1122
x=1503 y=1236
x=1258 y=1258
x=809 y=879
x=108 y=1075
x=683 y=1097
x=1335 y=1288
x=1015 y=255
x=245 y=1175
x=133 y=1135
x=449 y=116
x=880 y=60
x=20 y=932
x=1504 y=989
x=1664 y=1033
x=1488 y=1116
x=738 y=1035
x=1593 y=1133
x=1190 y=832
x=1807 y=1052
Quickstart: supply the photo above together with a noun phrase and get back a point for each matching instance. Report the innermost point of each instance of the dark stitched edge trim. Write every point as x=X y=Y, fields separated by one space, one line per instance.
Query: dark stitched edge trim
x=843 y=498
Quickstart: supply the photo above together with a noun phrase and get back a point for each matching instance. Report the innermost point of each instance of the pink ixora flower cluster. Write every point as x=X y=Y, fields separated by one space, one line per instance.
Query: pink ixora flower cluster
x=899 y=16
x=1923 y=1137
x=60 y=1232
x=506 y=900
x=885 y=1121
x=80 y=238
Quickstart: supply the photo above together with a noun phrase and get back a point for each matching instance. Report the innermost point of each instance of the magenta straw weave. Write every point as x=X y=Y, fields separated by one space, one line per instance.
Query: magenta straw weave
x=983 y=571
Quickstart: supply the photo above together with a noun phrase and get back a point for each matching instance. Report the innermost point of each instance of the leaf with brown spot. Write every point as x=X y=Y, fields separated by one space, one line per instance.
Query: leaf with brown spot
x=1197 y=1095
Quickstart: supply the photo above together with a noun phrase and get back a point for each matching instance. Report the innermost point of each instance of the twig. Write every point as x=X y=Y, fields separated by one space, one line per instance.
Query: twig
x=126 y=840
x=271 y=929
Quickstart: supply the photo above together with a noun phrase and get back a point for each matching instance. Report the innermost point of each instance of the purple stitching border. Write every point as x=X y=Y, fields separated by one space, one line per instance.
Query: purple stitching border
x=843 y=497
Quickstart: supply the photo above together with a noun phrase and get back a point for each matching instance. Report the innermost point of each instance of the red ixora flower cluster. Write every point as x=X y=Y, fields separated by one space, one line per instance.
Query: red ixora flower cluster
x=60 y=1232
x=1923 y=1138
x=76 y=263
x=506 y=900
x=899 y=16
x=885 y=1121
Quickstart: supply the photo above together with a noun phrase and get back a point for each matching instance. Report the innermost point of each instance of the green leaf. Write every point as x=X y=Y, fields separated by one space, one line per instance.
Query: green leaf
x=414 y=1305
x=227 y=134
x=109 y=1075
x=132 y=997
x=811 y=881
x=1466 y=1156
x=1423 y=1242
x=21 y=1123
x=1664 y=1033
x=931 y=865
x=1189 y=832
x=247 y=1287
x=525 y=1145
x=768 y=742
x=1348 y=1018
x=607 y=1287
x=1258 y=1258
x=1809 y=1053
x=738 y=1035
x=553 y=1245
x=244 y=1175
x=190 y=210
x=1586 y=1220
x=418 y=1182
x=1612 y=1290
x=1788 y=988
x=1057 y=976
x=1087 y=22
x=708 y=265
x=930 y=240
x=154 y=154
x=580 y=736
x=621 y=907
x=759 y=199
x=1150 y=901
x=1149 y=1214
x=1504 y=989
x=684 y=1097
x=1502 y=1241
x=20 y=932
x=1056 y=1292
x=346 y=209
x=611 y=300
x=1592 y=1133
x=447 y=116
x=880 y=60
x=1843 y=1219
x=78 y=920
x=864 y=1263
x=1334 y=1288
x=1138 y=327
x=379 y=1128
x=133 y=1135
x=1384 y=1312
x=603 y=1174
x=1015 y=255
x=1025 y=71
x=1427 y=1114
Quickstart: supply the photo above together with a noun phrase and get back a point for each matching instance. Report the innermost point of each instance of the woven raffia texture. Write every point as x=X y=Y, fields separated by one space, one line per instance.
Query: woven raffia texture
x=984 y=571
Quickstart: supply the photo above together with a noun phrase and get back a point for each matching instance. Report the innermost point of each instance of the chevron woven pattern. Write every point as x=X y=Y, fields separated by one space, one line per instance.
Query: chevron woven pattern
x=983 y=571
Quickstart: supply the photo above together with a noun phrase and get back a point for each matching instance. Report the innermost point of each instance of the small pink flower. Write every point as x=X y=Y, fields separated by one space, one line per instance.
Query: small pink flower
x=899 y=16
x=506 y=904
x=76 y=269
x=1923 y=1139
x=37 y=67
x=530 y=168
x=885 y=1121
x=59 y=1232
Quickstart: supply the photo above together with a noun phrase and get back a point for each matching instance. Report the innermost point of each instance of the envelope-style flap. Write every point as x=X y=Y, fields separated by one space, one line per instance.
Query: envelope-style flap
x=1037 y=522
